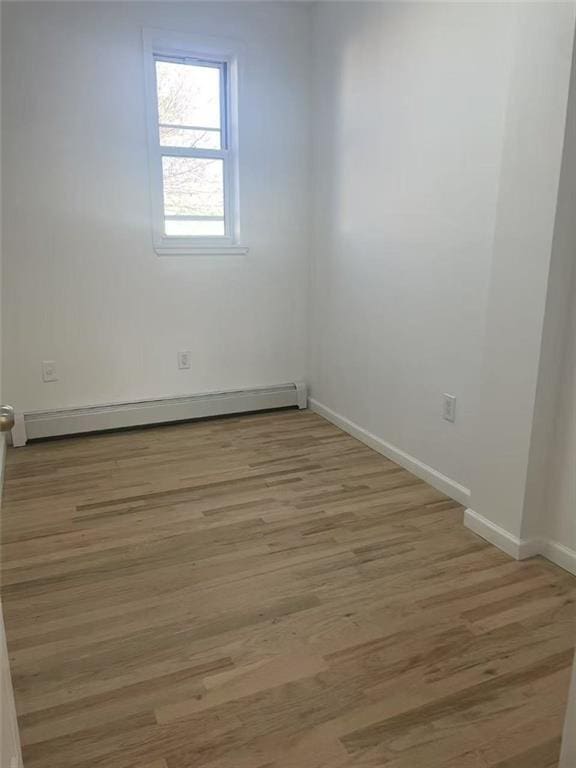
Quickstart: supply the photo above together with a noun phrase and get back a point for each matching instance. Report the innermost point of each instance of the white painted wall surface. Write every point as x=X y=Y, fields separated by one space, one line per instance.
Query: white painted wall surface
x=550 y=505
x=83 y=286
x=559 y=512
x=411 y=102
x=529 y=183
x=560 y=508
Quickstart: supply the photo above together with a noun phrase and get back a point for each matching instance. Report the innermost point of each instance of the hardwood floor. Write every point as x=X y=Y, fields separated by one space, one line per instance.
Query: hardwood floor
x=267 y=592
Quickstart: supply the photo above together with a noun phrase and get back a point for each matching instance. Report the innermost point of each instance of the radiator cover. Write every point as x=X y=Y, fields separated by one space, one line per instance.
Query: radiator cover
x=69 y=421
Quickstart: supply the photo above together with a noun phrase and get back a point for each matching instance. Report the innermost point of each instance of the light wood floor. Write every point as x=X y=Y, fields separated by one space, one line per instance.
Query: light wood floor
x=267 y=592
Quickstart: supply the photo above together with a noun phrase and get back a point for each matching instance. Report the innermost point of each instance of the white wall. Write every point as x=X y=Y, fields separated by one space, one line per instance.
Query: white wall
x=529 y=182
x=558 y=521
x=411 y=104
x=82 y=284
x=551 y=489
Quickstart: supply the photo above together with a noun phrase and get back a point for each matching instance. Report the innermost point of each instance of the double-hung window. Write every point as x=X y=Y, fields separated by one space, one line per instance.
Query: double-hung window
x=193 y=150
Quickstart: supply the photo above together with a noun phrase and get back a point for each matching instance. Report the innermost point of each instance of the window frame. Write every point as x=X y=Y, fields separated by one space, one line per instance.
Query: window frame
x=165 y=46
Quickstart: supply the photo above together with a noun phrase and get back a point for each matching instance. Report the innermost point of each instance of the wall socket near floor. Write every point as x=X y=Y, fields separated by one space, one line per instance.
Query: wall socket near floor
x=49 y=372
x=448 y=407
x=184 y=359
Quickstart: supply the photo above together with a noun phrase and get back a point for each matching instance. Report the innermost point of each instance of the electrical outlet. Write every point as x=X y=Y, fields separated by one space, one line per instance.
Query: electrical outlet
x=49 y=372
x=448 y=407
x=184 y=359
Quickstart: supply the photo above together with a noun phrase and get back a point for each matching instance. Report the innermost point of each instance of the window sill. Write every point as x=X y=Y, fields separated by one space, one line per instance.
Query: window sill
x=201 y=250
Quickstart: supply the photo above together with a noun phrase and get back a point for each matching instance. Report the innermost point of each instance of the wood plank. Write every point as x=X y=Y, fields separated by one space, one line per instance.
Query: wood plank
x=265 y=591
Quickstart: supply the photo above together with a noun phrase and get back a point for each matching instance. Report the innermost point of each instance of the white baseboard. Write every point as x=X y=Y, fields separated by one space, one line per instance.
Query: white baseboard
x=495 y=534
x=423 y=471
x=520 y=549
x=560 y=555
x=530 y=548
x=18 y=433
x=140 y=413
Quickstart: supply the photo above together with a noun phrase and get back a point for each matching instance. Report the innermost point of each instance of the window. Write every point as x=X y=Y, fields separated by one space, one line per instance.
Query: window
x=193 y=148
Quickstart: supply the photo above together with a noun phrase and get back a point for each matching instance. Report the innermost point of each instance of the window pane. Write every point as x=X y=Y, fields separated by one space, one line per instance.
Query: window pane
x=193 y=186
x=186 y=228
x=173 y=136
x=188 y=95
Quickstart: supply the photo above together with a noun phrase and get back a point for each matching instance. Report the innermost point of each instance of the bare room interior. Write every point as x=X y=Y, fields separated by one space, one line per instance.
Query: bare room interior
x=288 y=384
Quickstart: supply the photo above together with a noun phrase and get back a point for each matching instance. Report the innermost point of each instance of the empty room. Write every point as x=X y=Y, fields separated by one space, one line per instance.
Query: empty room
x=288 y=384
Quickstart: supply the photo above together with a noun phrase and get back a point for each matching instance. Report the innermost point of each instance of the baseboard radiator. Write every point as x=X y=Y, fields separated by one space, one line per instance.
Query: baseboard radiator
x=69 y=421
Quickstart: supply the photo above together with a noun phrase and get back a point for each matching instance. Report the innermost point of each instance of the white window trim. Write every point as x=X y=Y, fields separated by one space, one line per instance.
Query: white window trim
x=162 y=43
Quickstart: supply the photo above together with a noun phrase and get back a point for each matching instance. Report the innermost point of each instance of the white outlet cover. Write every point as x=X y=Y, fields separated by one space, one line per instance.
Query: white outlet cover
x=184 y=359
x=448 y=407
x=49 y=372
